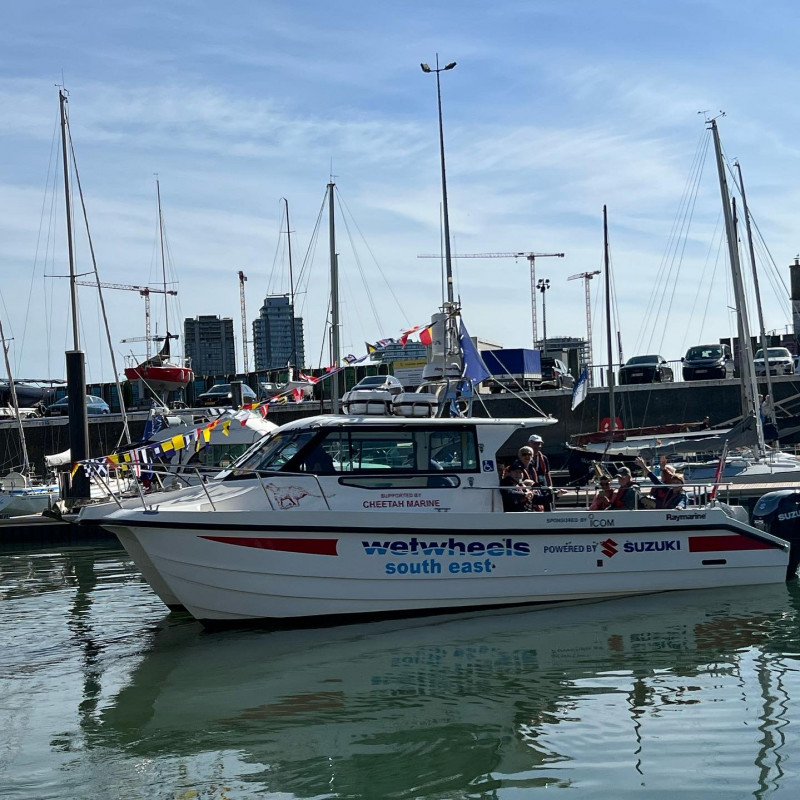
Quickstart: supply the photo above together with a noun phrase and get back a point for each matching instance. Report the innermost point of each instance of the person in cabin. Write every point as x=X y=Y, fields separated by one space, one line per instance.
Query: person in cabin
x=541 y=465
x=604 y=495
x=320 y=462
x=625 y=496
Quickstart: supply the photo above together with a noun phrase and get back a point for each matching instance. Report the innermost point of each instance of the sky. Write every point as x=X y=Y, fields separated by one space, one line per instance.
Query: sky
x=555 y=109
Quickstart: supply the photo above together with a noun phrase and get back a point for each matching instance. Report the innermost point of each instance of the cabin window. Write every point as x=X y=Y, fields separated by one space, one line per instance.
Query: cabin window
x=275 y=454
x=411 y=450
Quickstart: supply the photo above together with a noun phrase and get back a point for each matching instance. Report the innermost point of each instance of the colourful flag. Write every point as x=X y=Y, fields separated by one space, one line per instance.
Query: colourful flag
x=473 y=368
x=580 y=390
x=426 y=336
x=406 y=334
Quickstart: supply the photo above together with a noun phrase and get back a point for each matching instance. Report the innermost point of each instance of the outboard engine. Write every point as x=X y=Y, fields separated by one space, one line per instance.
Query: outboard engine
x=778 y=513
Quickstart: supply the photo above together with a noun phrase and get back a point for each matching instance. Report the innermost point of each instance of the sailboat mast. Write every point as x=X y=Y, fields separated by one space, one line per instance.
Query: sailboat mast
x=612 y=411
x=749 y=386
x=73 y=289
x=335 y=348
x=163 y=260
x=761 y=332
x=75 y=360
x=15 y=402
x=291 y=285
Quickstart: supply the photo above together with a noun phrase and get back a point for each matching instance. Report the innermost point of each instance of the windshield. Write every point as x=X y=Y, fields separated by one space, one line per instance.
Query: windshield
x=712 y=351
x=774 y=352
x=222 y=388
x=274 y=453
x=374 y=380
x=644 y=360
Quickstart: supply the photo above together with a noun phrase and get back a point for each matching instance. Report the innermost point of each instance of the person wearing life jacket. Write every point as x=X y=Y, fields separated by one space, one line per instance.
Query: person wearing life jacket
x=625 y=495
x=516 y=491
x=668 y=490
x=602 y=500
x=541 y=464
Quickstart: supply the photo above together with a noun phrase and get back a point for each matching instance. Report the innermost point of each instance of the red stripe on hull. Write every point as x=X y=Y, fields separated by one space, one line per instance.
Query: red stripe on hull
x=715 y=544
x=318 y=547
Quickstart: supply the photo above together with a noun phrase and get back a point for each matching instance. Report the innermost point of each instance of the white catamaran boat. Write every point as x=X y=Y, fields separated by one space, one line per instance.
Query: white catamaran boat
x=340 y=516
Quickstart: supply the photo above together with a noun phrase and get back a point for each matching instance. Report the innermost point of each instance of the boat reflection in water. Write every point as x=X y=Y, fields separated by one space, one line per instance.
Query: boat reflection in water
x=625 y=692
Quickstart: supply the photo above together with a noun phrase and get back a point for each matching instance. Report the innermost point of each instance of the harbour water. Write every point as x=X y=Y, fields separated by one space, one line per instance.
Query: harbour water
x=105 y=694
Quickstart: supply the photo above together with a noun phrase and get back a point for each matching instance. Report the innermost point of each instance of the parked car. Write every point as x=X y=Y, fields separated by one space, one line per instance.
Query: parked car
x=645 y=369
x=384 y=383
x=779 y=359
x=222 y=395
x=94 y=406
x=704 y=362
x=556 y=373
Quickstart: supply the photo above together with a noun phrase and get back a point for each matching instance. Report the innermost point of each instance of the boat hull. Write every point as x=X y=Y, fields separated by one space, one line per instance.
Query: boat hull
x=222 y=567
x=29 y=500
x=162 y=379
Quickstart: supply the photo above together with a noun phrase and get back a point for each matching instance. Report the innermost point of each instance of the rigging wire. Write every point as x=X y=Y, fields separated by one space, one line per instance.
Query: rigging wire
x=343 y=206
x=125 y=433
x=674 y=252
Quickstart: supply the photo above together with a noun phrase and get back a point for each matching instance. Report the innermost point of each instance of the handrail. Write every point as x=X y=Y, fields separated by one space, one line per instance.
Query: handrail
x=205 y=489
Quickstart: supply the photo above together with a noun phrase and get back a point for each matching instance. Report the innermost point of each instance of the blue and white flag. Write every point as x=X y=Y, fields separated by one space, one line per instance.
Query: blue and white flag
x=473 y=366
x=581 y=387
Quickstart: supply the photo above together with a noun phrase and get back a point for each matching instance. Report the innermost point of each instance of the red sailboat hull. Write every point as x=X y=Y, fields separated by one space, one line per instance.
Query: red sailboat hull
x=165 y=378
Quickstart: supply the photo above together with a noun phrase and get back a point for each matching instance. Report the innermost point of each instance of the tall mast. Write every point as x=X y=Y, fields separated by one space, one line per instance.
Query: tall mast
x=612 y=411
x=291 y=284
x=749 y=386
x=334 y=302
x=163 y=261
x=13 y=390
x=73 y=289
x=75 y=360
x=761 y=332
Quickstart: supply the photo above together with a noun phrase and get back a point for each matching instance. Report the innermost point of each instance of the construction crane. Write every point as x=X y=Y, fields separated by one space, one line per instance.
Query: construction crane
x=242 y=279
x=587 y=278
x=145 y=292
x=531 y=260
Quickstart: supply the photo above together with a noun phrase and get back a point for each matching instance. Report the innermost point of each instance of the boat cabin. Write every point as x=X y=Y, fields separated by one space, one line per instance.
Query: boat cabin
x=387 y=452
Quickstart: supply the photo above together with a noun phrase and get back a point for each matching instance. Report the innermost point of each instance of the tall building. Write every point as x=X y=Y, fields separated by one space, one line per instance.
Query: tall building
x=208 y=341
x=272 y=335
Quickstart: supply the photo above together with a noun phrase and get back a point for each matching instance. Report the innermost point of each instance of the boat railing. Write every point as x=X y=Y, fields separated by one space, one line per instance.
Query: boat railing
x=161 y=480
x=699 y=494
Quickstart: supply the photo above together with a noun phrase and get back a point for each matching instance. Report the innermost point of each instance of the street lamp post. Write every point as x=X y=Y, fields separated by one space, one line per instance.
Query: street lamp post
x=543 y=285
x=447 y=258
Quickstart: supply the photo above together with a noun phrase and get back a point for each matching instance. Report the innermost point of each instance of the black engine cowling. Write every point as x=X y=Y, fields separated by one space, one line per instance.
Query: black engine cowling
x=779 y=514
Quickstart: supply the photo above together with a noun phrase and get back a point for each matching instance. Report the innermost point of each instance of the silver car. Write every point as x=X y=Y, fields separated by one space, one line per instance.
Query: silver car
x=779 y=359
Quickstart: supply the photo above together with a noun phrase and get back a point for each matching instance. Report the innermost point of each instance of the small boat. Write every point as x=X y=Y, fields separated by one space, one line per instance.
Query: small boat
x=161 y=373
x=337 y=517
x=20 y=492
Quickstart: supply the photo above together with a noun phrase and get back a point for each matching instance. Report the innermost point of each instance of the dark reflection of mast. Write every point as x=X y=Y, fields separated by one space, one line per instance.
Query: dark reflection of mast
x=772 y=722
x=81 y=564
